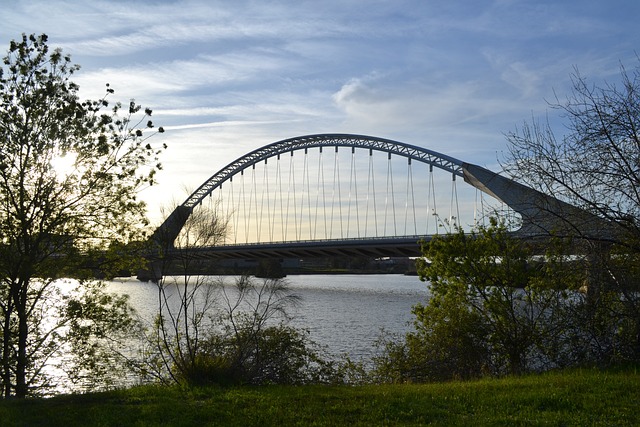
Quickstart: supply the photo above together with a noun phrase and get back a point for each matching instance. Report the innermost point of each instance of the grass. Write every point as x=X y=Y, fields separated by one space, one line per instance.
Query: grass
x=586 y=397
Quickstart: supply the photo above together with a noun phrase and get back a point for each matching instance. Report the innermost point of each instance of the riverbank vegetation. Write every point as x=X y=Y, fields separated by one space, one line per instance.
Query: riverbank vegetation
x=575 y=397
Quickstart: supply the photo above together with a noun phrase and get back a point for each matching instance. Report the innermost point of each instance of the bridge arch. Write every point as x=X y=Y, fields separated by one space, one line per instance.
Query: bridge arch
x=540 y=213
x=290 y=145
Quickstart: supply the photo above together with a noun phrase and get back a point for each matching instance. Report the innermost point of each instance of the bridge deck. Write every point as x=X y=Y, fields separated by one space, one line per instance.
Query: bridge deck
x=370 y=247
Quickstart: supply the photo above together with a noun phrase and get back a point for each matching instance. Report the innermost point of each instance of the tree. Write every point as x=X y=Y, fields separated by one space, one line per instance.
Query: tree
x=494 y=308
x=53 y=221
x=186 y=299
x=595 y=166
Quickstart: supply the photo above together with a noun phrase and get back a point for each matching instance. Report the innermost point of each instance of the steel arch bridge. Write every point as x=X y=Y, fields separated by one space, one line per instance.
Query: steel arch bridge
x=539 y=213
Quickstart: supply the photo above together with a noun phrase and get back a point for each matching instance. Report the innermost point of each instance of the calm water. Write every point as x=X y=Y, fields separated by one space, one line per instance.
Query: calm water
x=345 y=313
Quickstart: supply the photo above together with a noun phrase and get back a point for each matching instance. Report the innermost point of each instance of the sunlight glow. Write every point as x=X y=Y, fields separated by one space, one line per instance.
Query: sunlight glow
x=64 y=165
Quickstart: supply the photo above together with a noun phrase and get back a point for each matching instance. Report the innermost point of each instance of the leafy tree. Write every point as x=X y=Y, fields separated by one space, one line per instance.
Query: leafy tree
x=493 y=308
x=595 y=166
x=52 y=221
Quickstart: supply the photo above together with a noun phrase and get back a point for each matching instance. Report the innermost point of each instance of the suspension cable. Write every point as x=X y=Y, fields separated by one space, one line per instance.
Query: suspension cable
x=291 y=192
x=353 y=185
x=259 y=205
x=453 y=220
x=371 y=190
x=265 y=197
x=393 y=203
x=254 y=198
x=482 y=209
x=410 y=194
x=478 y=213
x=336 y=169
x=277 y=195
x=229 y=211
x=305 y=189
x=320 y=183
x=431 y=202
x=324 y=201
x=243 y=200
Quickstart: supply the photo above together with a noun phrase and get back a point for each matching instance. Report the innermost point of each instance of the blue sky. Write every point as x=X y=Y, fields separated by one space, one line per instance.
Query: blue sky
x=226 y=77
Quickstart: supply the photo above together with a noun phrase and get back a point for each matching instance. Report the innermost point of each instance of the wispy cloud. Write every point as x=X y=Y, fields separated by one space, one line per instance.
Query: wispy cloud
x=225 y=77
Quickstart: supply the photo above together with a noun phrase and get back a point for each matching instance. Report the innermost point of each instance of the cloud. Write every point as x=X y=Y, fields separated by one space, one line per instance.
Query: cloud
x=179 y=77
x=187 y=23
x=447 y=105
x=228 y=76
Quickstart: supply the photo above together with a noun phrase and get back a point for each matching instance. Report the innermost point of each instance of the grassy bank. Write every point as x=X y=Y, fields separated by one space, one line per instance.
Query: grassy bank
x=577 y=397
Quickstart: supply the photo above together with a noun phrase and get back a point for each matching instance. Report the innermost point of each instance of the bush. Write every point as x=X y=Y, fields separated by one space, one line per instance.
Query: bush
x=218 y=334
x=275 y=355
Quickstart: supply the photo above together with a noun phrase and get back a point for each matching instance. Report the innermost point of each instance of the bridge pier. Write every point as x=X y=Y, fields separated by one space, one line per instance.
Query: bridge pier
x=153 y=273
x=163 y=242
x=542 y=214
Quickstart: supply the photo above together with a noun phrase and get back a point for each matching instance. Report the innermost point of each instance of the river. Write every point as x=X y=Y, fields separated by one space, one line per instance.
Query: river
x=343 y=313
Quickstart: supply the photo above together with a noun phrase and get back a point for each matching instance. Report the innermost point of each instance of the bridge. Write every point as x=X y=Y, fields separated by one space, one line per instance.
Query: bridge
x=352 y=195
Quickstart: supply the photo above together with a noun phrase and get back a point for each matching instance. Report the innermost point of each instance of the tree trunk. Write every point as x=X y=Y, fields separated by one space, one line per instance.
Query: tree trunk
x=21 y=362
x=6 y=352
x=19 y=296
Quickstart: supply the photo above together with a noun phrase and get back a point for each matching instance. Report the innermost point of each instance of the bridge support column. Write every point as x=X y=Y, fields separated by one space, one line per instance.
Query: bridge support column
x=162 y=241
x=270 y=268
x=153 y=272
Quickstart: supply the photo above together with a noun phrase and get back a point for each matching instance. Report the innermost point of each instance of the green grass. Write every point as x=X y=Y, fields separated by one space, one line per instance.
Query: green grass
x=586 y=397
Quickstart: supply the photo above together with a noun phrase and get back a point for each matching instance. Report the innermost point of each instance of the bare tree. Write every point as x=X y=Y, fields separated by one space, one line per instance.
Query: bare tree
x=185 y=298
x=595 y=166
x=211 y=331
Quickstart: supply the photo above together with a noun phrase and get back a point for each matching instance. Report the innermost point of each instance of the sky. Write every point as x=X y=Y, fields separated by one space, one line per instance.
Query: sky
x=227 y=77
